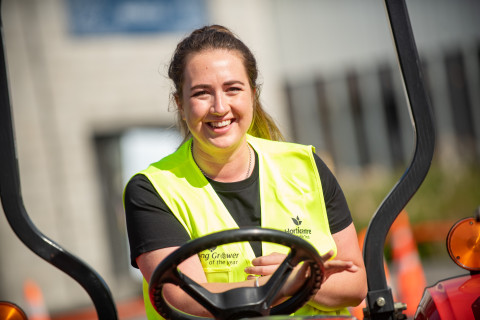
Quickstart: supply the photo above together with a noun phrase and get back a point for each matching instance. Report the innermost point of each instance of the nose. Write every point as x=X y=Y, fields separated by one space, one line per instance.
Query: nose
x=219 y=105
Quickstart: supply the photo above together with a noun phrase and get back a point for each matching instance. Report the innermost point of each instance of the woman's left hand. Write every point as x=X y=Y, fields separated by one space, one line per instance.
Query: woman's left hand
x=336 y=266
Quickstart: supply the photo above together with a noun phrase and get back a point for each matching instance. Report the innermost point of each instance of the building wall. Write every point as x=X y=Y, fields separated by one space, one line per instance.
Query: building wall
x=66 y=90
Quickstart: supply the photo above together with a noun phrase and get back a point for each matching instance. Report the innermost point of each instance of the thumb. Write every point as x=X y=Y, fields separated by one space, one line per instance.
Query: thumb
x=327 y=256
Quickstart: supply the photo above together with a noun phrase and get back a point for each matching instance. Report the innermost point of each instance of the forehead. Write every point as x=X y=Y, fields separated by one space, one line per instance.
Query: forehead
x=206 y=59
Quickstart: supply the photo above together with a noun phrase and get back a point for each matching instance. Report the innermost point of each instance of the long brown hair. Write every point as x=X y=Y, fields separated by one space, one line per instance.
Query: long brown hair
x=219 y=37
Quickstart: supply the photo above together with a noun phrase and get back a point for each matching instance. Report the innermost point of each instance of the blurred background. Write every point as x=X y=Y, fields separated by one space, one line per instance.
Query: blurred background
x=91 y=106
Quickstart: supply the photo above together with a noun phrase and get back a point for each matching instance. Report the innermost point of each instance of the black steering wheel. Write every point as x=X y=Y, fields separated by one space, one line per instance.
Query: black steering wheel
x=241 y=302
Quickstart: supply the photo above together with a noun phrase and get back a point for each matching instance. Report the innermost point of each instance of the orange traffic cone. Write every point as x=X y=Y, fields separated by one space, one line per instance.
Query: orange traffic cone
x=410 y=277
x=36 y=308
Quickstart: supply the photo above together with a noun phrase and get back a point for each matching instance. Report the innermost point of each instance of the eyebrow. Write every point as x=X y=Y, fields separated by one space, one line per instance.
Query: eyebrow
x=234 y=82
x=228 y=83
x=199 y=86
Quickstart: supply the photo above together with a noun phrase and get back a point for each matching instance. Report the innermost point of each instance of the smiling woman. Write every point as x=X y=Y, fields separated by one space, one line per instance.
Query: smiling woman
x=217 y=95
x=217 y=106
x=218 y=37
x=229 y=172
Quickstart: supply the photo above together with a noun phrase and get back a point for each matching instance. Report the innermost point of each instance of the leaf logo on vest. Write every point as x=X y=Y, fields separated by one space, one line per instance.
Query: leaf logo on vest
x=297 y=221
x=303 y=233
x=222 y=258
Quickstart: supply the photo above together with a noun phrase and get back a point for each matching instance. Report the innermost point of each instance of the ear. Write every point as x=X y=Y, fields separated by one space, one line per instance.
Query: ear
x=179 y=104
x=255 y=98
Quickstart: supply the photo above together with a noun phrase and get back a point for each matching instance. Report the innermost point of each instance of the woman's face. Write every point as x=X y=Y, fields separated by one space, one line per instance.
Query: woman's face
x=217 y=100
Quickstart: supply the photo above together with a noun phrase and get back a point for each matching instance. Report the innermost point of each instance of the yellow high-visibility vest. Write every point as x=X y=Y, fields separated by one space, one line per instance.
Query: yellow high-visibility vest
x=291 y=199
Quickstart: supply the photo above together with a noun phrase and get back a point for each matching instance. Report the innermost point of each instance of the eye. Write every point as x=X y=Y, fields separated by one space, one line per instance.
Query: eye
x=234 y=89
x=199 y=93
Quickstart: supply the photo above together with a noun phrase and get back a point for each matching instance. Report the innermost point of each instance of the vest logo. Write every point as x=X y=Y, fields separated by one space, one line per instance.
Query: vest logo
x=303 y=233
x=297 y=221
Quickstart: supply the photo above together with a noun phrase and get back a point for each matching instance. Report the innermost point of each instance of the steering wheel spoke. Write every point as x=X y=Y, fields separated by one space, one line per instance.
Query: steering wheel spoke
x=199 y=293
x=279 y=277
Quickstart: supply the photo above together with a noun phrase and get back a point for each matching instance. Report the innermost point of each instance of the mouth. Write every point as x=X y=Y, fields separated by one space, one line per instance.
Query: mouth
x=219 y=124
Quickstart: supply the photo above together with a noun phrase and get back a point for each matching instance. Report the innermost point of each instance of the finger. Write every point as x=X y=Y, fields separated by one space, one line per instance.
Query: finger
x=271 y=259
x=261 y=270
x=327 y=256
x=338 y=264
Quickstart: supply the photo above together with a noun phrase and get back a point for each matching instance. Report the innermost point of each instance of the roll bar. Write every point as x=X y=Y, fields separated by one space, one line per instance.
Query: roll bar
x=380 y=303
x=11 y=197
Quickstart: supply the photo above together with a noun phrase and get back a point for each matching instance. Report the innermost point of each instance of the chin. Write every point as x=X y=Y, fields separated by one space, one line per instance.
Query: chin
x=225 y=142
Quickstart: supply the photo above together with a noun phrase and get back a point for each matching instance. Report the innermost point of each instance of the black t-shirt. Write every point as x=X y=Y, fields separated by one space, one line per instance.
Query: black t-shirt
x=151 y=225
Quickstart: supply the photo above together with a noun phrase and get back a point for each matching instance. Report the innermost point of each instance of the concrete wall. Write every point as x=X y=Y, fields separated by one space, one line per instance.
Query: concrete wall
x=65 y=90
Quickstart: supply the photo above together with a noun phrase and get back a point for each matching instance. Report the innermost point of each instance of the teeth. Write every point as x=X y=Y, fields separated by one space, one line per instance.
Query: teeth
x=220 y=124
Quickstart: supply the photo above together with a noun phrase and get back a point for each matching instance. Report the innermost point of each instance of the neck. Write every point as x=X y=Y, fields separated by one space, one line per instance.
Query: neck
x=227 y=167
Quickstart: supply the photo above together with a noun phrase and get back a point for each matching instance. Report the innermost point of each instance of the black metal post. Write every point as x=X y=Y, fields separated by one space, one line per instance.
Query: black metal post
x=380 y=304
x=11 y=197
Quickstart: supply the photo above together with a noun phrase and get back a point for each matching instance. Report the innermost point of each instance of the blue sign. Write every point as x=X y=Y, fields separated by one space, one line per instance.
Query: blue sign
x=92 y=17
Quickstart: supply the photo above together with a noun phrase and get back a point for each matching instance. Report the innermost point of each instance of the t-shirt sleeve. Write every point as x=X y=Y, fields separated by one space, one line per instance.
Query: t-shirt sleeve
x=150 y=223
x=338 y=213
